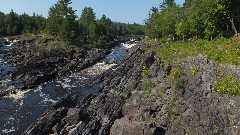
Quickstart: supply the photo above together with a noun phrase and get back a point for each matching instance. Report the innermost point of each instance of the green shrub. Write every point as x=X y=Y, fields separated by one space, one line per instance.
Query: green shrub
x=176 y=73
x=145 y=72
x=147 y=89
x=176 y=78
x=229 y=85
x=180 y=83
x=194 y=69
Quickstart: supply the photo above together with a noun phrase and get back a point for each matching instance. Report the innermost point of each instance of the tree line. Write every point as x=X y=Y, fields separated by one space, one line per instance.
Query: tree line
x=63 y=23
x=14 y=24
x=195 y=19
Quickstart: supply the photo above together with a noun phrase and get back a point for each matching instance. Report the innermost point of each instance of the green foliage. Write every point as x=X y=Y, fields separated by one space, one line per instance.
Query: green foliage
x=131 y=87
x=145 y=72
x=147 y=89
x=122 y=29
x=180 y=83
x=162 y=23
x=229 y=85
x=93 y=31
x=171 y=105
x=194 y=69
x=88 y=25
x=31 y=24
x=104 y=26
x=61 y=21
x=150 y=41
x=198 y=18
x=176 y=77
x=176 y=73
x=170 y=3
x=13 y=24
x=221 y=50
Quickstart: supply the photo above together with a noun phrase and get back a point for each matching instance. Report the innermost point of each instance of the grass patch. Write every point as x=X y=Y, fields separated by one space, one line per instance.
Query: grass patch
x=221 y=50
x=229 y=85
x=176 y=73
x=151 y=41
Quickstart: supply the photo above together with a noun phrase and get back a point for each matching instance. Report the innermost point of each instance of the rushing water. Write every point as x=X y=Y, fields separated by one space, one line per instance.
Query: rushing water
x=5 y=68
x=19 y=110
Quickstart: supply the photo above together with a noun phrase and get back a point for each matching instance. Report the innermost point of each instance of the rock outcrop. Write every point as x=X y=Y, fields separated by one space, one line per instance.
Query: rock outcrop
x=198 y=109
x=194 y=108
x=96 y=114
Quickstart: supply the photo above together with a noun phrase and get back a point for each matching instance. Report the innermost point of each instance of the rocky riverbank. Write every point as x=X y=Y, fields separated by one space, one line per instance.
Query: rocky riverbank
x=26 y=105
x=168 y=99
x=35 y=66
x=97 y=113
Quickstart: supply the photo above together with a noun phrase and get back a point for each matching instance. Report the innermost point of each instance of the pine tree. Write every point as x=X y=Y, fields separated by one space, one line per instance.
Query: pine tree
x=12 y=23
x=105 y=25
x=61 y=21
x=2 y=24
x=88 y=25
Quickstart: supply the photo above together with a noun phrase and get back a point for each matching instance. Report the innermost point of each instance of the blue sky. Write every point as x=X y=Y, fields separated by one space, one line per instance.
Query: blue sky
x=127 y=11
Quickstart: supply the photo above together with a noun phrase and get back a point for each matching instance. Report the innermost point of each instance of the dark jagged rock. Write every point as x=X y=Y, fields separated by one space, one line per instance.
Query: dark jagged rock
x=138 y=119
x=35 y=67
x=96 y=114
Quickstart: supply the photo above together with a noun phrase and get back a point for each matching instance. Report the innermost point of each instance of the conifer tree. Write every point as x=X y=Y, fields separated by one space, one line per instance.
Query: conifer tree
x=61 y=21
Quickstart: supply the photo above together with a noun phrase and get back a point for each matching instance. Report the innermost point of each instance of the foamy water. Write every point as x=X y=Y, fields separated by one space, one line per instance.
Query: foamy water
x=19 y=95
x=128 y=46
x=98 y=69
x=5 y=68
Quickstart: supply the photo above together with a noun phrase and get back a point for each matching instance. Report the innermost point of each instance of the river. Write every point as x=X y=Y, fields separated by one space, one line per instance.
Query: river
x=19 y=110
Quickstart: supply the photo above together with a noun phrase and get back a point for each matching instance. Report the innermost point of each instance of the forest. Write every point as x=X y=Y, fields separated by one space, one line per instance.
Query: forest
x=63 y=23
x=206 y=19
